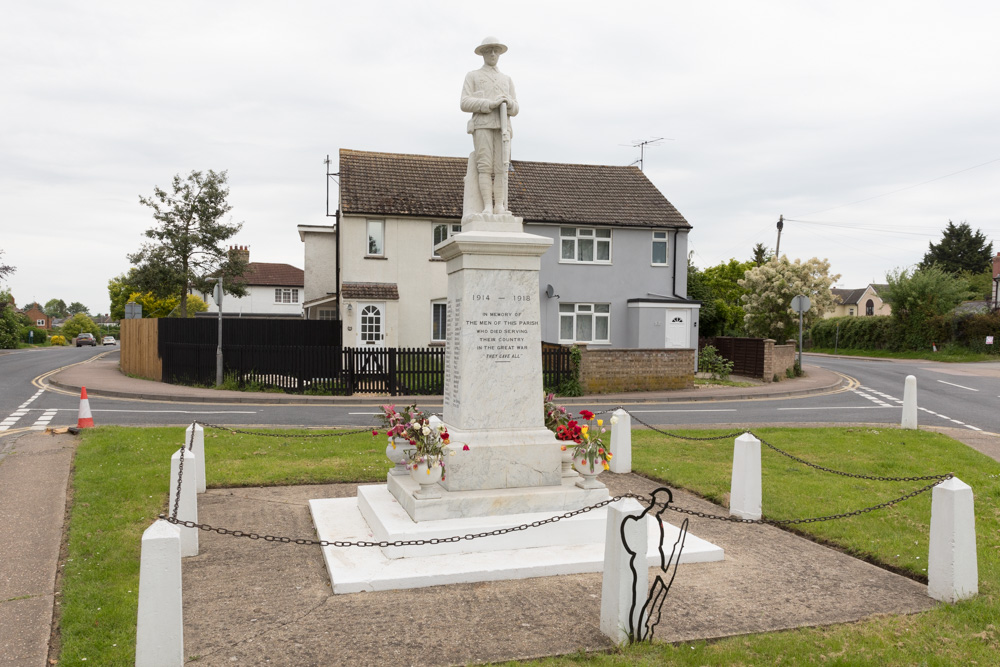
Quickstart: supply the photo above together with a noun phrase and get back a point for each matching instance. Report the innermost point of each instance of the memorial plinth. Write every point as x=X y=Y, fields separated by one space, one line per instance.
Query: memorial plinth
x=493 y=365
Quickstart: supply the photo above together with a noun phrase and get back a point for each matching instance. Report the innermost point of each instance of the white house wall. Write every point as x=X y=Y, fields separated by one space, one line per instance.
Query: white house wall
x=408 y=262
x=320 y=265
x=259 y=300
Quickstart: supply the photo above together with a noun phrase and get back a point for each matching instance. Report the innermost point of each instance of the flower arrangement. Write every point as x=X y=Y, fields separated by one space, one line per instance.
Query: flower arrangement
x=590 y=448
x=413 y=425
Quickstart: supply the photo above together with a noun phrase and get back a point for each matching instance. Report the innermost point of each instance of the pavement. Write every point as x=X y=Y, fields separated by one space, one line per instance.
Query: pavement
x=254 y=602
x=102 y=377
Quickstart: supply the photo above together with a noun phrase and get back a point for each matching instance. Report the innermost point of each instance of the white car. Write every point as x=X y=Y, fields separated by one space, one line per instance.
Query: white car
x=109 y=340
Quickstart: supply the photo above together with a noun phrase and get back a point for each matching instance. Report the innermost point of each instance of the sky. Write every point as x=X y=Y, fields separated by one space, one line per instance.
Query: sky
x=867 y=125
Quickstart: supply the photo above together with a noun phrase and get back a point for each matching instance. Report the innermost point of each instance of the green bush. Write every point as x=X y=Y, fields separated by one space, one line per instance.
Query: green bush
x=881 y=332
x=39 y=338
x=877 y=332
x=10 y=328
x=710 y=361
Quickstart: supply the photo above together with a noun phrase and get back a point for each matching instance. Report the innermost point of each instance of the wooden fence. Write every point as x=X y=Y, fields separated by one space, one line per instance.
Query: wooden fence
x=140 y=349
x=747 y=354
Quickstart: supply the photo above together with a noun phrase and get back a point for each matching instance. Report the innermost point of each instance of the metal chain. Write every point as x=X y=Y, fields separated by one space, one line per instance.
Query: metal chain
x=396 y=543
x=875 y=478
x=830 y=517
x=282 y=435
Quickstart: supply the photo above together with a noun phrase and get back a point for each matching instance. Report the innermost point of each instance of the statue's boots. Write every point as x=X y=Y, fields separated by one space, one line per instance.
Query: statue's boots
x=486 y=190
x=500 y=194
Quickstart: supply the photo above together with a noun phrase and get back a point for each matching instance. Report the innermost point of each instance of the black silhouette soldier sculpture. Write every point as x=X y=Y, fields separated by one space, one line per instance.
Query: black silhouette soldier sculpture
x=649 y=616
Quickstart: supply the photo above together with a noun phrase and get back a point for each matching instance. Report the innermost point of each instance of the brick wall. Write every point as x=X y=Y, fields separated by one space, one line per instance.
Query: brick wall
x=778 y=359
x=604 y=371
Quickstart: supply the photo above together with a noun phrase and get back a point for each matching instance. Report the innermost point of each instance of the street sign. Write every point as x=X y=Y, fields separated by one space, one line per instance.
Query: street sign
x=800 y=304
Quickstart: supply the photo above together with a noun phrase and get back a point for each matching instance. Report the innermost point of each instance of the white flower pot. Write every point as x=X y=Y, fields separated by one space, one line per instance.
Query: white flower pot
x=589 y=475
x=567 y=462
x=427 y=476
x=399 y=455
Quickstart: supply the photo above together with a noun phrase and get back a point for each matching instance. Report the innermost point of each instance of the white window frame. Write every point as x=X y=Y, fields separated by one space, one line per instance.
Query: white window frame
x=40 y=323
x=377 y=226
x=449 y=231
x=326 y=313
x=658 y=239
x=572 y=244
x=286 y=294
x=573 y=313
x=442 y=306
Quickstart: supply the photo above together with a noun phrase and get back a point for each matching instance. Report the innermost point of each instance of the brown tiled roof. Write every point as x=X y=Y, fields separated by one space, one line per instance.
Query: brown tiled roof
x=281 y=275
x=370 y=291
x=429 y=186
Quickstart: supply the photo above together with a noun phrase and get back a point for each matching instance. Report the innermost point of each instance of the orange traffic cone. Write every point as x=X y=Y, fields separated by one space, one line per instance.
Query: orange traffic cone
x=84 y=418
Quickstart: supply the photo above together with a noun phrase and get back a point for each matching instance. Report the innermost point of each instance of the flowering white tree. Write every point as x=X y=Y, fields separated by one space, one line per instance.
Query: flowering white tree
x=770 y=288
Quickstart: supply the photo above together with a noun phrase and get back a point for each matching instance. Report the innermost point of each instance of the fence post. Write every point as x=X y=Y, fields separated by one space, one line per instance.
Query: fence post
x=745 y=489
x=392 y=355
x=909 y=420
x=952 y=566
x=198 y=448
x=619 y=589
x=187 y=509
x=621 y=442
x=159 y=632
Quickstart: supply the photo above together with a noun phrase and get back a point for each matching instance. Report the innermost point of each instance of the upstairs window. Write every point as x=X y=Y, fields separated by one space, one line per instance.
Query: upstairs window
x=659 y=249
x=870 y=308
x=286 y=295
x=376 y=238
x=585 y=245
x=584 y=322
x=443 y=233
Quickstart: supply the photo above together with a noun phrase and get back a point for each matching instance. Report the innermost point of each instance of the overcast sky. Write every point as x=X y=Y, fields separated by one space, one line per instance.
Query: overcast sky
x=880 y=120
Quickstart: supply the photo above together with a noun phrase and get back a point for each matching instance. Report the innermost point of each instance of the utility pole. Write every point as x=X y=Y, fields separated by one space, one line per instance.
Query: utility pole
x=781 y=225
x=218 y=348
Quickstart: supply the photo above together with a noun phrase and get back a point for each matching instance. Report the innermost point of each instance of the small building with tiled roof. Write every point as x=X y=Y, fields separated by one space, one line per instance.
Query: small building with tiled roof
x=615 y=276
x=863 y=301
x=273 y=290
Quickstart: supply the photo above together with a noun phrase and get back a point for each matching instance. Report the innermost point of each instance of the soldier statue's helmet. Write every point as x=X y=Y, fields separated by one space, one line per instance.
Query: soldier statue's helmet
x=488 y=42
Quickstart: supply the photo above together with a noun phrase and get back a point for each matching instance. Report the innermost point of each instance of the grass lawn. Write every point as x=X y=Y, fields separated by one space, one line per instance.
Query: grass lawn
x=121 y=477
x=952 y=353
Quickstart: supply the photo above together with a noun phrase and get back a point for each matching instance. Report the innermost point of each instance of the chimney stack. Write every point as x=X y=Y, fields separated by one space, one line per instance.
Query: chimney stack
x=241 y=252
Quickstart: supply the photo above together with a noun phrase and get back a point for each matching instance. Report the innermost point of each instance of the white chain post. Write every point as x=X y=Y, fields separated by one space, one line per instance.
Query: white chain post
x=952 y=565
x=187 y=509
x=159 y=632
x=197 y=443
x=745 y=490
x=621 y=442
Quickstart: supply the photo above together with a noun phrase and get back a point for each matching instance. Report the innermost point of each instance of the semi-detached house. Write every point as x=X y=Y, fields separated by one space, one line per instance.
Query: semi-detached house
x=615 y=276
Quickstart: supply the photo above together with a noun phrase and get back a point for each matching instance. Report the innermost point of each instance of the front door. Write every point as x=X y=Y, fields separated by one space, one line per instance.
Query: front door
x=371 y=325
x=678 y=328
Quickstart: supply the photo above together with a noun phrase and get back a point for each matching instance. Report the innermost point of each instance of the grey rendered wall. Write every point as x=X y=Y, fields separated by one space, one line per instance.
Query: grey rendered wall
x=630 y=275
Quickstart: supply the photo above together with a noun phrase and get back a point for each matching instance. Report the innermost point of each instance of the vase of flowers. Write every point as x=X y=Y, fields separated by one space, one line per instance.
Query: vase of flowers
x=567 y=432
x=425 y=439
x=590 y=454
x=399 y=448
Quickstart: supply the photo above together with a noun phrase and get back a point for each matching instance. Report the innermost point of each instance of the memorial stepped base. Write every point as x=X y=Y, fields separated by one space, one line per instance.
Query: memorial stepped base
x=569 y=546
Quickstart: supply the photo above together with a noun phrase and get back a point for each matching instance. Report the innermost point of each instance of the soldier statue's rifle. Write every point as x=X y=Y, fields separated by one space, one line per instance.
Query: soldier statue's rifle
x=505 y=136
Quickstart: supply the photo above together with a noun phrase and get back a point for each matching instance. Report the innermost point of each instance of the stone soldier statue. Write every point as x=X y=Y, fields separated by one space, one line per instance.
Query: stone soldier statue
x=489 y=95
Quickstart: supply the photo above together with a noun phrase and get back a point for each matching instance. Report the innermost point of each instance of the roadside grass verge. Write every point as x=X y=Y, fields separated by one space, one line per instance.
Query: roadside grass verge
x=121 y=479
x=949 y=353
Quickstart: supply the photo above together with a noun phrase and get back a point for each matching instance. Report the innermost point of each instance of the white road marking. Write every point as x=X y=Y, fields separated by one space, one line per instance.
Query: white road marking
x=44 y=420
x=714 y=410
x=844 y=407
x=957 y=385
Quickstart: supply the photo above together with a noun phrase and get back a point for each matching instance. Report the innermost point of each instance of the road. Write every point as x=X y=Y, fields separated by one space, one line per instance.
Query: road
x=962 y=395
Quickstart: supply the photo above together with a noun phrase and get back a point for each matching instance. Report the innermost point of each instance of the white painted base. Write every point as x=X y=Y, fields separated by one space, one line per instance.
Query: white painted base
x=355 y=569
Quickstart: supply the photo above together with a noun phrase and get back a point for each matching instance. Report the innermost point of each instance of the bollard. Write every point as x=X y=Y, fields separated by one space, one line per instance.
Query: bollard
x=187 y=510
x=619 y=587
x=745 y=489
x=198 y=447
x=909 y=420
x=952 y=566
x=159 y=632
x=621 y=442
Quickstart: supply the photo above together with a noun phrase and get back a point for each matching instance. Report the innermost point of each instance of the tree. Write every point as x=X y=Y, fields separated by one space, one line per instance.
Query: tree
x=761 y=255
x=79 y=323
x=770 y=289
x=959 y=250
x=189 y=235
x=723 y=279
x=699 y=290
x=5 y=270
x=152 y=306
x=916 y=296
x=55 y=308
x=120 y=289
x=76 y=307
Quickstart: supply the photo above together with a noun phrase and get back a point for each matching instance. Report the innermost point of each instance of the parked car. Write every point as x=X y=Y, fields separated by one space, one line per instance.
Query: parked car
x=108 y=340
x=86 y=339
